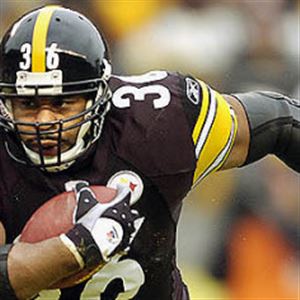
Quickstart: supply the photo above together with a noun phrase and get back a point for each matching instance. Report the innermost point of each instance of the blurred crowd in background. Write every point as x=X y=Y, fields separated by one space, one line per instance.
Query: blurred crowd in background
x=239 y=233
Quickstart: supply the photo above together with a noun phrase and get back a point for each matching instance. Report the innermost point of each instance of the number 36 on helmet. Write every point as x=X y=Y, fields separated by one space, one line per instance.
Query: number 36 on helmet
x=48 y=53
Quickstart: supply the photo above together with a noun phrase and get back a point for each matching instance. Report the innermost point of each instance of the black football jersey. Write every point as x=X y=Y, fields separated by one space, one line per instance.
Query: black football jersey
x=164 y=133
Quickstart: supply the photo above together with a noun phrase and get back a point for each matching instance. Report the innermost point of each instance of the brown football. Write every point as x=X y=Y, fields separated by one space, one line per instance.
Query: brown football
x=55 y=217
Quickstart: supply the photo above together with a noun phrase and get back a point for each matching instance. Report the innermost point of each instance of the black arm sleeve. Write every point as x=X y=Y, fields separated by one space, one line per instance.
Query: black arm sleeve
x=274 y=122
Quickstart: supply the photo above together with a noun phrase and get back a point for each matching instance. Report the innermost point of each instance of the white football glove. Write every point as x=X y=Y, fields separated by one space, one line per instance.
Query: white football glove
x=100 y=230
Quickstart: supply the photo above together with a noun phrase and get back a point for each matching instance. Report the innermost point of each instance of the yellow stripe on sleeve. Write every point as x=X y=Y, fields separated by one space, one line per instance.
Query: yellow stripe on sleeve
x=203 y=112
x=39 y=38
x=218 y=141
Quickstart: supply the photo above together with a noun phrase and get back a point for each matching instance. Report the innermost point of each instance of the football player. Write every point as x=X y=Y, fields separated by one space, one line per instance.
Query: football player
x=64 y=116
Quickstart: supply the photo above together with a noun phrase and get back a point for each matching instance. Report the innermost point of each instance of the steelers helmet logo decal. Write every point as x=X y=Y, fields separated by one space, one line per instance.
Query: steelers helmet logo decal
x=130 y=179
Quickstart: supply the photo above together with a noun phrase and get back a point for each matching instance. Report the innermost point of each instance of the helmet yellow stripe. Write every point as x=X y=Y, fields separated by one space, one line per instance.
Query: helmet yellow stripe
x=39 y=38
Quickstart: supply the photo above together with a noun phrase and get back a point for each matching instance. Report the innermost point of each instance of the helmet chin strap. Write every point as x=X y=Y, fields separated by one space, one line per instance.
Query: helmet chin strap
x=68 y=157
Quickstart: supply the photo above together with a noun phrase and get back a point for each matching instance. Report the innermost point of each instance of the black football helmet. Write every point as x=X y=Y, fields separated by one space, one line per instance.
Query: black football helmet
x=53 y=52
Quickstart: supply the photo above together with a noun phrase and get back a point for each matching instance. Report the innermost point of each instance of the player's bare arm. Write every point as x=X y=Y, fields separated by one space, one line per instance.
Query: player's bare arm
x=2 y=234
x=27 y=268
x=239 y=151
x=33 y=267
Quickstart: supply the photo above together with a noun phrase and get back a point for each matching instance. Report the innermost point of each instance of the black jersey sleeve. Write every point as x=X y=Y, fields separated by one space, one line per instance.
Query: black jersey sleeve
x=171 y=124
x=212 y=124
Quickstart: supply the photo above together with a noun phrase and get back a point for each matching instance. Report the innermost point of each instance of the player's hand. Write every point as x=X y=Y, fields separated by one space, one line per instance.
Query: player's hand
x=102 y=230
